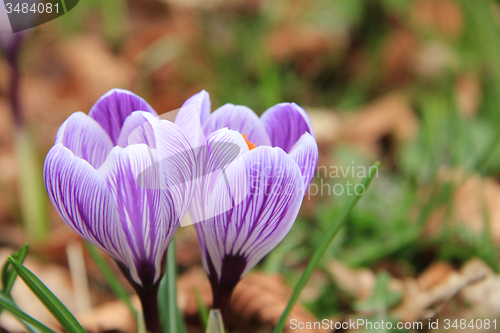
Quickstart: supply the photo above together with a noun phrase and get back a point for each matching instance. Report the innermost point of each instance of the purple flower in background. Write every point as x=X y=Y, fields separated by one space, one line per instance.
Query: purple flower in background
x=120 y=178
x=10 y=45
x=10 y=42
x=267 y=181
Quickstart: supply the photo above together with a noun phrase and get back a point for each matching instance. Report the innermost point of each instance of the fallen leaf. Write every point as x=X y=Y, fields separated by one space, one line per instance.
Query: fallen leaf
x=484 y=295
x=445 y=16
x=327 y=124
x=434 y=275
x=424 y=296
x=93 y=67
x=258 y=299
x=195 y=279
x=389 y=115
x=424 y=300
x=110 y=316
x=356 y=282
x=398 y=53
x=263 y=298
x=434 y=59
x=468 y=95
x=470 y=201
x=292 y=40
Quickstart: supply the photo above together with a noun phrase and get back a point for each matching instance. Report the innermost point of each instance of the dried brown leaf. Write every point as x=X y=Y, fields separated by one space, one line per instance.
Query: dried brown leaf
x=110 y=316
x=326 y=123
x=425 y=296
x=398 y=56
x=475 y=196
x=434 y=275
x=468 y=95
x=356 y=282
x=263 y=298
x=484 y=295
x=444 y=16
x=389 y=115
x=289 y=41
x=93 y=67
x=259 y=299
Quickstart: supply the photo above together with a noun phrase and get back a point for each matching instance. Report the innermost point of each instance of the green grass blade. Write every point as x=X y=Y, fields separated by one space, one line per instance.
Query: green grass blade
x=6 y=303
x=49 y=300
x=32 y=193
x=9 y=275
x=215 y=322
x=325 y=242
x=110 y=277
x=170 y=316
x=202 y=309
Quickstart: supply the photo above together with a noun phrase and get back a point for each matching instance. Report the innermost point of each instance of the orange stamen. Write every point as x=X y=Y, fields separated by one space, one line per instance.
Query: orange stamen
x=250 y=145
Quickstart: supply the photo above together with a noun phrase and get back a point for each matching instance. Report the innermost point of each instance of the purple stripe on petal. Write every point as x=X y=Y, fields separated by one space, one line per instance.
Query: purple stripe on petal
x=285 y=123
x=189 y=118
x=255 y=226
x=201 y=101
x=224 y=147
x=177 y=160
x=238 y=118
x=305 y=154
x=83 y=200
x=147 y=217
x=85 y=138
x=111 y=110
x=138 y=128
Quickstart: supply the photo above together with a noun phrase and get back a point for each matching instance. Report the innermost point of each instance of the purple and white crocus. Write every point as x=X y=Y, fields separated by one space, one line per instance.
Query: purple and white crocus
x=120 y=177
x=267 y=181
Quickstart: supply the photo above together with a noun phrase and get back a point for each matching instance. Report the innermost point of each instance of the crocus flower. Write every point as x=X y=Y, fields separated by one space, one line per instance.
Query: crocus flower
x=9 y=41
x=10 y=45
x=119 y=177
x=277 y=160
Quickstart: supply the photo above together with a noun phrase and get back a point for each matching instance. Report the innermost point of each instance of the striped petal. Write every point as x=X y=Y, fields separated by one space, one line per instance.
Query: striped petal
x=202 y=103
x=305 y=154
x=177 y=159
x=148 y=217
x=235 y=241
x=191 y=116
x=238 y=118
x=111 y=110
x=138 y=128
x=285 y=123
x=85 y=138
x=224 y=148
x=83 y=200
x=112 y=208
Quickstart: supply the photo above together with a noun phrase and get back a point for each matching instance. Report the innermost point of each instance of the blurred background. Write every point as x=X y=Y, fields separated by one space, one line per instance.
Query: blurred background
x=412 y=83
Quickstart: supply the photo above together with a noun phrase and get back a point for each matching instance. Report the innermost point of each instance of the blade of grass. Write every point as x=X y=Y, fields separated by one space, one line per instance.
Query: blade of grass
x=110 y=277
x=32 y=193
x=202 y=309
x=9 y=275
x=215 y=322
x=49 y=300
x=325 y=242
x=170 y=316
x=8 y=304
